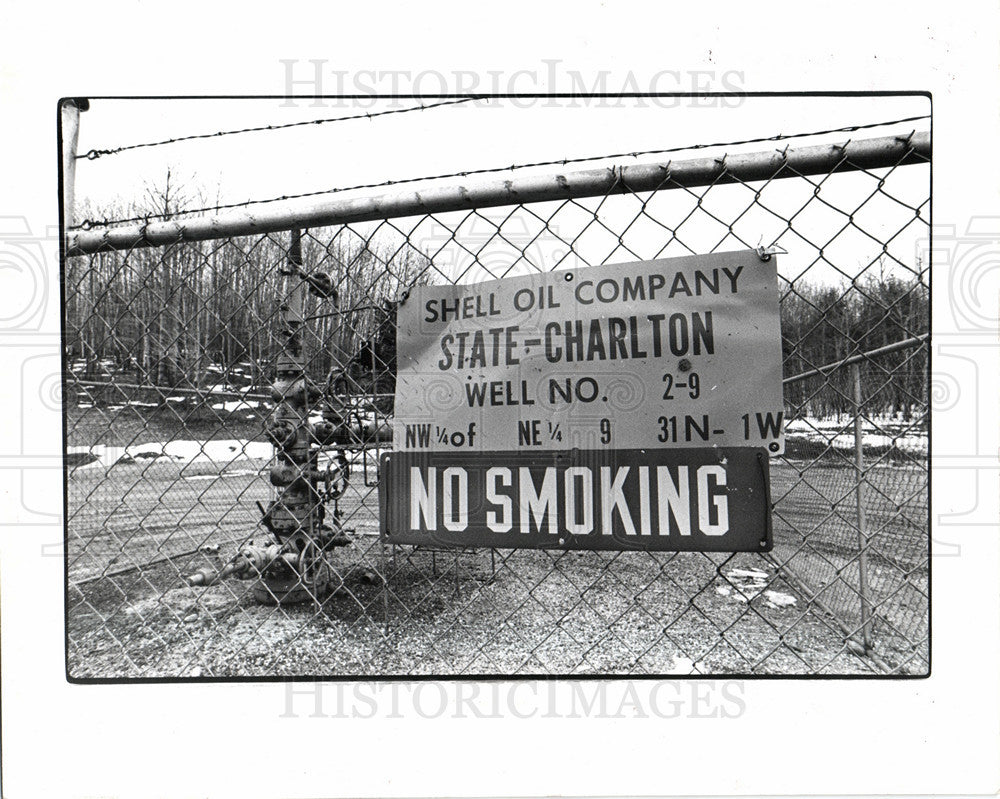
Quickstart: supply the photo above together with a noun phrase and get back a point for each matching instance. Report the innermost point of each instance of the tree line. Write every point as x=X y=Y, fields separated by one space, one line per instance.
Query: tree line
x=824 y=324
x=175 y=317
x=202 y=314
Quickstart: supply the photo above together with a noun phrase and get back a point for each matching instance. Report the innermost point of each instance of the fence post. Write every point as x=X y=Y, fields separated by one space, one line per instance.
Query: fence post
x=69 y=114
x=859 y=468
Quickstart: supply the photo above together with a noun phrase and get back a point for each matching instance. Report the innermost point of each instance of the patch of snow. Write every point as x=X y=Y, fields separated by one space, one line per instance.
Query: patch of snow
x=747 y=582
x=105 y=456
x=880 y=431
x=235 y=405
x=752 y=574
x=221 y=452
x=776 y=599
x=683 y=665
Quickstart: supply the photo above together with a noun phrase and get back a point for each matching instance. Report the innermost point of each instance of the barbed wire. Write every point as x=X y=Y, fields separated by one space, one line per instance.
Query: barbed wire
x=92 y=155
x=88 y=223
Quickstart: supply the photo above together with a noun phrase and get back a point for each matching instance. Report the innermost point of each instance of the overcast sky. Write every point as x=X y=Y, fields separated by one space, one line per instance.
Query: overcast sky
x=455 y=138
x=446 y=139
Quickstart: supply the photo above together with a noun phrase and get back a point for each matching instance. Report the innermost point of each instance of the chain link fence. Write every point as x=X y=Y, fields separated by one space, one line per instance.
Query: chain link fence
x=173 y=336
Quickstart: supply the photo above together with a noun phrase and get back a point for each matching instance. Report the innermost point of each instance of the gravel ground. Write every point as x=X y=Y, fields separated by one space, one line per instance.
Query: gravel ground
x=537 y=613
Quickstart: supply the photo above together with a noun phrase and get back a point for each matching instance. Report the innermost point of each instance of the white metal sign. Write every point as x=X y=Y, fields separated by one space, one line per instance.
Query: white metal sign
x=673 y=353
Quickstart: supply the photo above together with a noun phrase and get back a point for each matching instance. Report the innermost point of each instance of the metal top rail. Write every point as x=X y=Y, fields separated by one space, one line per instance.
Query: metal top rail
x=873 y=153
x=905 y=344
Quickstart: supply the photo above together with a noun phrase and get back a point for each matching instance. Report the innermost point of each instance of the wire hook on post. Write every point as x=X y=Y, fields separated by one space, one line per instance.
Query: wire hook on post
x=765 y=253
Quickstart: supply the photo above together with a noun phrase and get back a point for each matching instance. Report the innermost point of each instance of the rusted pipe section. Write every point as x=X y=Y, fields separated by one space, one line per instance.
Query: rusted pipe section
x=293 y=567
x=338 y=209
x=250 y=561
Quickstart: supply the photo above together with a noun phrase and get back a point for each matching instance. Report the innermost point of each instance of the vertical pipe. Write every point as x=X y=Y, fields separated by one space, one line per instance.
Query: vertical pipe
x=385 y=584
x=297 y=512
x=859 y=468
x=69 y=119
